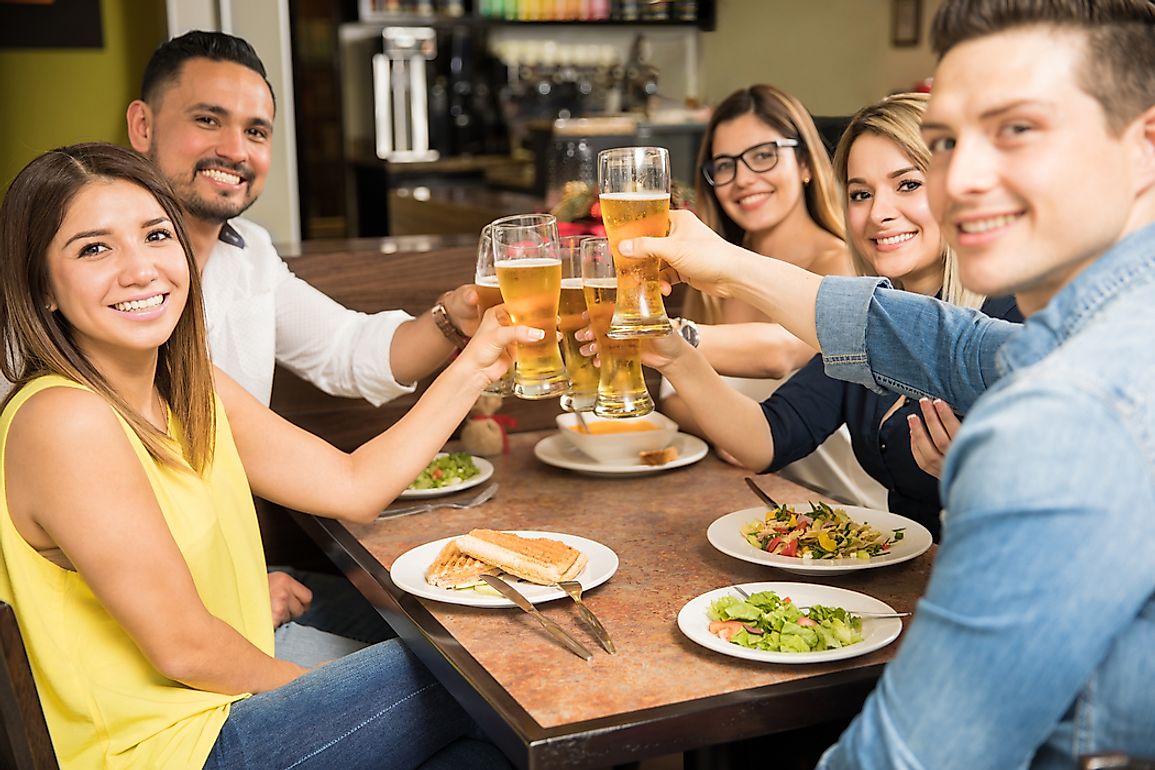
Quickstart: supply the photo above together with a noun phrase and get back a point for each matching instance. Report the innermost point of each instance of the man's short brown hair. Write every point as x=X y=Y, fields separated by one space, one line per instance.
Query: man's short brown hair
x=1118 y=69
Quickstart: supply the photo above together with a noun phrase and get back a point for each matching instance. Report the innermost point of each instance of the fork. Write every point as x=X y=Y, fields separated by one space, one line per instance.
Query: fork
x=479 y=499
x=574 y=589
x=859 y=613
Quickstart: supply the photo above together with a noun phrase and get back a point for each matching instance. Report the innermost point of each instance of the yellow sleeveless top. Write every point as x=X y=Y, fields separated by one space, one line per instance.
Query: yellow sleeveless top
x=105 y=704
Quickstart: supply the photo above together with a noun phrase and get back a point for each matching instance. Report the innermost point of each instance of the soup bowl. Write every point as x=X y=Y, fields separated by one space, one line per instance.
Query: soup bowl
x=618 y=441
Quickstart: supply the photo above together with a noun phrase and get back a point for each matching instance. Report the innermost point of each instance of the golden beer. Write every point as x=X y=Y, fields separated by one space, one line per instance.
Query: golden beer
x=531 y=289
x=583 y=375
x=640 y=311
x=621 y=386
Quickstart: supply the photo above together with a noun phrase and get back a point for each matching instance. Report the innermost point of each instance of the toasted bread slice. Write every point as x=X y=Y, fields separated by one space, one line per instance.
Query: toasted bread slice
x=454 y=569
x=538 y=560
x=658 y=456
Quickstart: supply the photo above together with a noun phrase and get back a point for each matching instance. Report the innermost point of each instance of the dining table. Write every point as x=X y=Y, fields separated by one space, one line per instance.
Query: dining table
x=660 y=693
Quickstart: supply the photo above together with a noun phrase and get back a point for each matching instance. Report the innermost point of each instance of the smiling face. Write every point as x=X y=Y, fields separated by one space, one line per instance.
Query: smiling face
x=758 y=202
x=888 y=215
x=117 y=273
x=210 y=132
x=1025 y=178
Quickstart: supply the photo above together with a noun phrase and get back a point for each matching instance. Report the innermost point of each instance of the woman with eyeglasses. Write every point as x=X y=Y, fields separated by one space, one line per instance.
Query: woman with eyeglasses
x=881 y=161
x=765 y=183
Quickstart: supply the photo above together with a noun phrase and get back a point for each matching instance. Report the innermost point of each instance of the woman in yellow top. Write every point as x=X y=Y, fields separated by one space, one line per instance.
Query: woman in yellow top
x=128 y=541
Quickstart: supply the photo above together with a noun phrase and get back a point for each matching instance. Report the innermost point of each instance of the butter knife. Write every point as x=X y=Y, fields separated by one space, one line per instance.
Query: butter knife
x=574 y=589
x=554 y=630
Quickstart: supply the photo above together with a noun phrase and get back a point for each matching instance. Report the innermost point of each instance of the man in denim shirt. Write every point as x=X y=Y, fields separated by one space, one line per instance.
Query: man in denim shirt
x=1035 y=642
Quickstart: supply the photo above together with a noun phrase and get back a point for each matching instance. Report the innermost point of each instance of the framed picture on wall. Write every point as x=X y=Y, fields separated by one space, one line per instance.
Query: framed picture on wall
x=905 y=22
x=50 y=24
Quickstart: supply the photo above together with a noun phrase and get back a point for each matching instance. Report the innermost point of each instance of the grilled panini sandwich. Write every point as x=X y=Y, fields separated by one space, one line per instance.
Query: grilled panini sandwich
x=454 y=569
x=538 y=560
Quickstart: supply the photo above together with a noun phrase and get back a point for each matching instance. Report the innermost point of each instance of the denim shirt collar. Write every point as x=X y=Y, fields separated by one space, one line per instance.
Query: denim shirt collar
x=230 y=236
x=1127 y=263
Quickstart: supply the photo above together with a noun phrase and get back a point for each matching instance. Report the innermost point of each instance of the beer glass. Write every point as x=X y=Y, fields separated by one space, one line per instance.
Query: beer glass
x=583 y=375
x=634 y=184
x=488 y=295
x=529 y=274
x=621 y=387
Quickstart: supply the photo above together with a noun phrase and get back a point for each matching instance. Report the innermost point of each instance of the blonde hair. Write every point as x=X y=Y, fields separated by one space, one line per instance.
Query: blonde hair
x=37 y=341
x=897 y=119
x=786 y=115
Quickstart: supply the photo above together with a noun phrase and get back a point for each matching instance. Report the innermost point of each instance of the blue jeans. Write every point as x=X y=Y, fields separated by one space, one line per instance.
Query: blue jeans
x=339 y=608
x=376 y=708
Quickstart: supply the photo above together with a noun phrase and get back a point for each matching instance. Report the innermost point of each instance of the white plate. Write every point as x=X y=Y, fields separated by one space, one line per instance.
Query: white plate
x=408 y=573
x=484 y=466
x=725 y=534
x=876 y=632
x=556 y=451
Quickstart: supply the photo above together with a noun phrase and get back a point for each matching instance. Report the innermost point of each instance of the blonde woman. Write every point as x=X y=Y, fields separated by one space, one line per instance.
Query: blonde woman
x=882 y=162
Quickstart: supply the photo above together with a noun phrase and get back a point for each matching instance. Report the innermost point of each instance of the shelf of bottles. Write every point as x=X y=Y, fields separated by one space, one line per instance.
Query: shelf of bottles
x=695 y=12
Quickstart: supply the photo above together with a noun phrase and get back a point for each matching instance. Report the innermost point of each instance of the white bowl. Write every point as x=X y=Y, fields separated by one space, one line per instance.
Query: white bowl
x=619 y=447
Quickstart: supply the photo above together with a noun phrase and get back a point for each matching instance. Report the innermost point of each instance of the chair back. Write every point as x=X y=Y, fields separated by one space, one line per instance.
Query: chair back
x=25 y=743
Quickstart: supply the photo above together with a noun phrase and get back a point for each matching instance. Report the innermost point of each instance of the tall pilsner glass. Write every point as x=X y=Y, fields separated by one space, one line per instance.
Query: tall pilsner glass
x=529 y=274
x=635 y=200
x=621 y=386
x=489 y=295
x=583 y=375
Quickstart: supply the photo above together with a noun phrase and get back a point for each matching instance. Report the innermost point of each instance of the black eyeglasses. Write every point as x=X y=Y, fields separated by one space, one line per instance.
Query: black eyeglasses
x=760 y=158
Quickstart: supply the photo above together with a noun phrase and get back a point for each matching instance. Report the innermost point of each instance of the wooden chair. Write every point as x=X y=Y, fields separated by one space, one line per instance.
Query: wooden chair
x=25 y=743
x=1114 y=760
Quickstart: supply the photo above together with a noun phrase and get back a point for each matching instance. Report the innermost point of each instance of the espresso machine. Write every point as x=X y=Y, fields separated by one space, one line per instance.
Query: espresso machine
x=400 y=91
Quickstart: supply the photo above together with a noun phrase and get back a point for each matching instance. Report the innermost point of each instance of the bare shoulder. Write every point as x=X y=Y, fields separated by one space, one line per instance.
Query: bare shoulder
x=833 y=258
x=65 y=420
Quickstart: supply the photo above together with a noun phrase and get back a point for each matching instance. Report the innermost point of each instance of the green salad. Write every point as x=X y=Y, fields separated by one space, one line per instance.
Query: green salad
x=445 y=471
x=768 y=622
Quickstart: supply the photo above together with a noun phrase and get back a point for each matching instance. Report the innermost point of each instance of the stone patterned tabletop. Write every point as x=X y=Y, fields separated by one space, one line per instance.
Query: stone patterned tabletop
x=657 y=526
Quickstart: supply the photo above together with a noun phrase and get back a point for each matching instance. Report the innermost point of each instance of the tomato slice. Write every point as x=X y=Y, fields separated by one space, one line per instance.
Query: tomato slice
x=791 y=549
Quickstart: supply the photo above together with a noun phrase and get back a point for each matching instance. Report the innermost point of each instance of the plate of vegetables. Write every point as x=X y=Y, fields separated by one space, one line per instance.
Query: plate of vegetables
x=447 y=473
x=788 y=622
x=816 y=538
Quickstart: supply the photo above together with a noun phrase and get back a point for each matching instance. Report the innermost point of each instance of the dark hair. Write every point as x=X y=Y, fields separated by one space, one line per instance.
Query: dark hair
x=37 y=341
x=166 y=62
x=1118 y=68
x=786 y=115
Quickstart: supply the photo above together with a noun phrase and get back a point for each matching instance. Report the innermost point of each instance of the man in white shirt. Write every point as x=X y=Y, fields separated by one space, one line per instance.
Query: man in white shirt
x=205 y=117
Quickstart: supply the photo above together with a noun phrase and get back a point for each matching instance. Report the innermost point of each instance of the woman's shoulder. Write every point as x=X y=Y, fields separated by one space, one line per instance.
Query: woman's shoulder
x=832 y=257
x=63 y=413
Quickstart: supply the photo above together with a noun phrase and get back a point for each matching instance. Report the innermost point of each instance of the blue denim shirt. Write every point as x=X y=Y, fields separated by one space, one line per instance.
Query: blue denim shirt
x=1035 y=641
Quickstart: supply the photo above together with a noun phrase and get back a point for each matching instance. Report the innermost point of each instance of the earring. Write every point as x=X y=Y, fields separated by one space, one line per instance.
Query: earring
x=806 y=180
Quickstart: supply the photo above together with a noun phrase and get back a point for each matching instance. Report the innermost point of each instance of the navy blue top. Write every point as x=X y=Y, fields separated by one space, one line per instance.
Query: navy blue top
x=810 y=406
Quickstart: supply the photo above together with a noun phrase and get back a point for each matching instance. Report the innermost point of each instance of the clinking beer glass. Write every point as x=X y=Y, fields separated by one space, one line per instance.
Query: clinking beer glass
x=634 y=184
x=529 y=274
x=583 y=375
x=621 y=386
x=489 y=295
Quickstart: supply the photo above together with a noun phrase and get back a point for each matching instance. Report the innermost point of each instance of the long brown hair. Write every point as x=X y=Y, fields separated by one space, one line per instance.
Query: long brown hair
x=786 y=115
x=37 y=341
x=897 y=119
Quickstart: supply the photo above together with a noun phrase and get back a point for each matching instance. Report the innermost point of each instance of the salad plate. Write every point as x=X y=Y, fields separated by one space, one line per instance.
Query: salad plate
x=408 y=573
x=725 y=534
x=876 y=632
x=485 y=470
x=556 y=451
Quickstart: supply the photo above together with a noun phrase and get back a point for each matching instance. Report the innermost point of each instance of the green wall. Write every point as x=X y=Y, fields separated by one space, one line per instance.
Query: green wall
x=55 y=96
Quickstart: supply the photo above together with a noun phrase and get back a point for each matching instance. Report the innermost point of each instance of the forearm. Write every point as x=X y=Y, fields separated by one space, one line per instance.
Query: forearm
x=728 y=419
x=214 y=657
x=419 y=348
x=784 y=292
x=760 y=350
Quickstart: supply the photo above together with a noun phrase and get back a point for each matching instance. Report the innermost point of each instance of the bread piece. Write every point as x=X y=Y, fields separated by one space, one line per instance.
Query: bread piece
x=454 y=569
x=538 y=560
x=659 y=456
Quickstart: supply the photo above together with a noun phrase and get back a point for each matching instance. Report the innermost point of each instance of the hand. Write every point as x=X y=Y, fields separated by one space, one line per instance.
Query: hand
x=489 y=351
x=929 y=442
x=692 y=252
x=461 y=307
x=289 y=597
x=660 y=352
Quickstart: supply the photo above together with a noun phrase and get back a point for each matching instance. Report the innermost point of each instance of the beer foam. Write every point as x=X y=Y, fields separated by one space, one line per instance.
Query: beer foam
x=525 y=264
x=487 y=280
x=602 y=283
x=571 y=283
x=636 y=196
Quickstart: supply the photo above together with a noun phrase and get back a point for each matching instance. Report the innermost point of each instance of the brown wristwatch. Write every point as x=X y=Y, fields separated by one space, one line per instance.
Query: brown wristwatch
x=451 y=332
